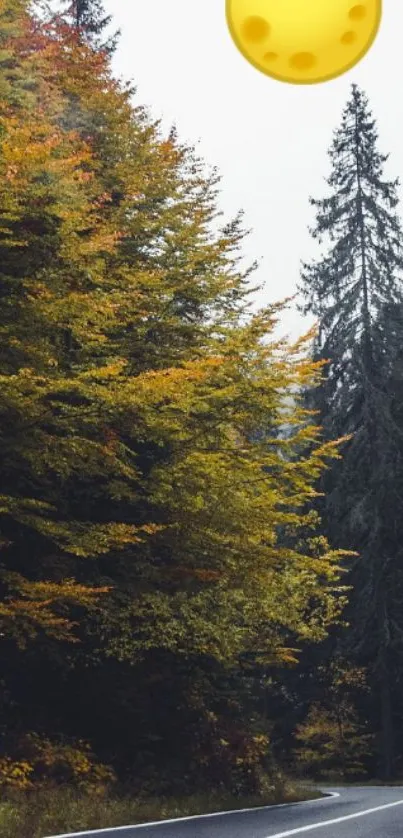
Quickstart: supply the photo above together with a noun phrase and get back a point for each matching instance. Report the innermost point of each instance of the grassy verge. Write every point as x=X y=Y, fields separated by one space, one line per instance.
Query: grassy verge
x=45 y=813
x=370 y=783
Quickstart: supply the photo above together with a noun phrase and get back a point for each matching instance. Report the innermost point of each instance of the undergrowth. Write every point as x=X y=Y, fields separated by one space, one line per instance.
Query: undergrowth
x=51 y=812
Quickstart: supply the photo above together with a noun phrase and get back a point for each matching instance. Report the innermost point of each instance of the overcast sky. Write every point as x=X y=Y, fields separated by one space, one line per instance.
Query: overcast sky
x=269 y=140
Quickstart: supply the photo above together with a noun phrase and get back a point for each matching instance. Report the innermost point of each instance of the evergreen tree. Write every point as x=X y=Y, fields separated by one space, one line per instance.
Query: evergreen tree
x=89 y=19
x=352 y=290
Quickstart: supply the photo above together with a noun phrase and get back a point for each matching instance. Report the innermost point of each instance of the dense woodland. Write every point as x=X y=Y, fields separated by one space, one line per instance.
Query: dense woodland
x=201 y=570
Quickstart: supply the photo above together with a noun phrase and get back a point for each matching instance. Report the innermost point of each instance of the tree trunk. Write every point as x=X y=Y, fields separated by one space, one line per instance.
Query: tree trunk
x=386 y=725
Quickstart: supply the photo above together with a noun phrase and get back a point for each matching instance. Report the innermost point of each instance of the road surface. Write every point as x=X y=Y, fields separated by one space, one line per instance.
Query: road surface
x=367 y=812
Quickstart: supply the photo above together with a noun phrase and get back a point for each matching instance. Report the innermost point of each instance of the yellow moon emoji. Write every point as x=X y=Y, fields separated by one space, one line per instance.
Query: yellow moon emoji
x=303 y=41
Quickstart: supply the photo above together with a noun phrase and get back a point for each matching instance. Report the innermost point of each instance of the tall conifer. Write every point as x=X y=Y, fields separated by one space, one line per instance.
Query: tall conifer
x=352 y=290
x=90 y=20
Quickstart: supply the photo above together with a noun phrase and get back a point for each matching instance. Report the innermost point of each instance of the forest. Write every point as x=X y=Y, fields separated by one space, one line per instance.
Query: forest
x=201 y=569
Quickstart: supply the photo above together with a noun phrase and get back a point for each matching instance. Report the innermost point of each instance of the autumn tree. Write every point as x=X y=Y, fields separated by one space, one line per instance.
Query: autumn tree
x=332 y=740
x=141 y=505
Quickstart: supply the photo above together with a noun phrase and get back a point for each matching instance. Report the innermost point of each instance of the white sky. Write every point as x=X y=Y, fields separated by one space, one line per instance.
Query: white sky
x=269 y=140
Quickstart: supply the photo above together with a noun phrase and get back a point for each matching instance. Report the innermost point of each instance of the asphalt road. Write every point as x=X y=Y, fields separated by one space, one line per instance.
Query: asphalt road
x=367 y=812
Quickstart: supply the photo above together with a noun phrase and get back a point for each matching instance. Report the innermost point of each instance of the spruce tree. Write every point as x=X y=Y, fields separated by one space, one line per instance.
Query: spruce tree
x=90 y=20
x=352 y=290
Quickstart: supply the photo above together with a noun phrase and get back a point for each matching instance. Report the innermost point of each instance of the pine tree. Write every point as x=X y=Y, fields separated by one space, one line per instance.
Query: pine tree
x=90 y=21
x=351 y=290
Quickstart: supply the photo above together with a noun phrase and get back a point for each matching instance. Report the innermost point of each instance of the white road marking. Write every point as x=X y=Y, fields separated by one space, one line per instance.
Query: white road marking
x=329 y=795
x=335 y=820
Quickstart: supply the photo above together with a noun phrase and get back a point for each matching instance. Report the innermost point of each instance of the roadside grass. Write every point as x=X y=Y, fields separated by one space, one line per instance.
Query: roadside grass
x=52 y=812
x=370 y=783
